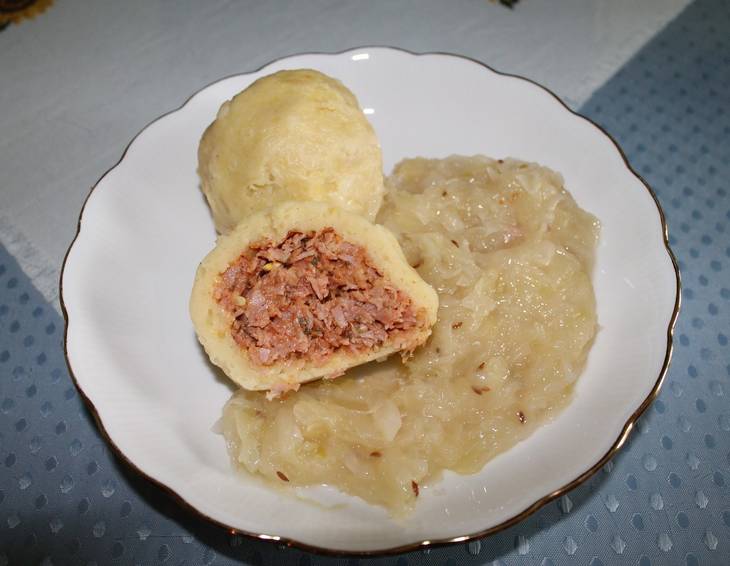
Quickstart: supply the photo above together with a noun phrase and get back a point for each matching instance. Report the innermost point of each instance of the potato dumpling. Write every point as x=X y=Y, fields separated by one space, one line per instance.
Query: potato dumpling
x=292 y=135
x=306 y=290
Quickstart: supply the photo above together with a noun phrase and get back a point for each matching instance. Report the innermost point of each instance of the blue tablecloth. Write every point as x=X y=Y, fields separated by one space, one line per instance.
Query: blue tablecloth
x=664 y=499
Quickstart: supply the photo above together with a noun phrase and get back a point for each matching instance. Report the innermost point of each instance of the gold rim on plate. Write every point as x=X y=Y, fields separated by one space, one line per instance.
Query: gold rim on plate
x=615 y=447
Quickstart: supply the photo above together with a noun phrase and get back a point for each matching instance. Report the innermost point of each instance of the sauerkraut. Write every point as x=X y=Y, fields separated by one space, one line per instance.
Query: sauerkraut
x=510 y=254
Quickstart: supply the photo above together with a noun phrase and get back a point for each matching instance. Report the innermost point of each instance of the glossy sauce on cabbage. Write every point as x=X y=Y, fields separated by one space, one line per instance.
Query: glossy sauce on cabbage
x=510 y=255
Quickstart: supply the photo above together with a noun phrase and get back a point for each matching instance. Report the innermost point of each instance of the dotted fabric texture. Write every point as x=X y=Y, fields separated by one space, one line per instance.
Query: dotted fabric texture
x=665 y=499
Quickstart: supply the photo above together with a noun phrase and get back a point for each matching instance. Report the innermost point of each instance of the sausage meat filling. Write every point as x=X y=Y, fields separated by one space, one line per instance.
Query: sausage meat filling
x=308 y=296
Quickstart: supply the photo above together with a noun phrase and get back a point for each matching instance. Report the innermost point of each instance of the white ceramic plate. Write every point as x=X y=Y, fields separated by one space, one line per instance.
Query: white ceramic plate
x=145 y=227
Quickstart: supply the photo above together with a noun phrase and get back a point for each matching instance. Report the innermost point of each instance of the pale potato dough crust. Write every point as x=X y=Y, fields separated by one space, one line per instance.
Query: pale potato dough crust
x=292 y=135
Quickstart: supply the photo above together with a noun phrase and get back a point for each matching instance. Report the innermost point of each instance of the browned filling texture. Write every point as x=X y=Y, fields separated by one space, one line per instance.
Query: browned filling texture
x=309 y=296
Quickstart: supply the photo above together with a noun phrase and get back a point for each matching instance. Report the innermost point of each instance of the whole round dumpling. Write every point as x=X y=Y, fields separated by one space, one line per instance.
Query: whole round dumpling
x=292 y=135
x=306 y=290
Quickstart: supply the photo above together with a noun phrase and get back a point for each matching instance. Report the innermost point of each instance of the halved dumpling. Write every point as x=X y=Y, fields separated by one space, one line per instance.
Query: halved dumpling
x=306 y=290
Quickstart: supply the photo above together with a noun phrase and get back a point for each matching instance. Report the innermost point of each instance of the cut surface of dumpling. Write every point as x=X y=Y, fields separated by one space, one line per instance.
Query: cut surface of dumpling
x=306 y=290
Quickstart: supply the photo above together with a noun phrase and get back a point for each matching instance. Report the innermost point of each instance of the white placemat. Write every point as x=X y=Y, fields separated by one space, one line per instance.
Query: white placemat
x=82 y=79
